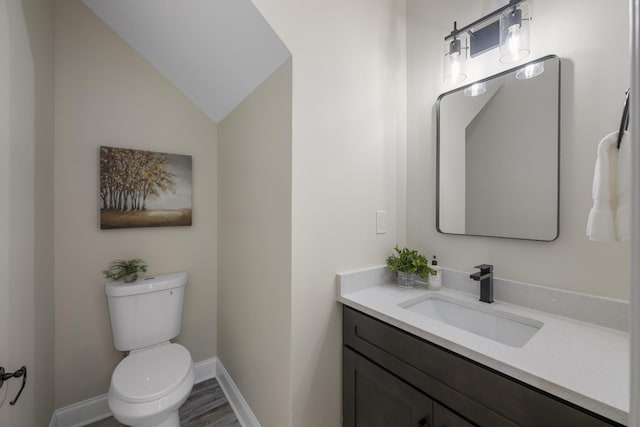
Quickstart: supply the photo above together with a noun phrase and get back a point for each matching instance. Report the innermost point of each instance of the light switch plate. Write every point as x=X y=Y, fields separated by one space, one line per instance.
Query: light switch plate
x=381 y=222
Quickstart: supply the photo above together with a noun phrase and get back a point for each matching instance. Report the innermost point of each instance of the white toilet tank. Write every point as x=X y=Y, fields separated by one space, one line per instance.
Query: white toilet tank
x=147 y=311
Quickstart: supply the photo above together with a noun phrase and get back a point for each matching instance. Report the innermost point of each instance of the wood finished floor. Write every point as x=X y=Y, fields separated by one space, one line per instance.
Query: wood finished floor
x=206 y=406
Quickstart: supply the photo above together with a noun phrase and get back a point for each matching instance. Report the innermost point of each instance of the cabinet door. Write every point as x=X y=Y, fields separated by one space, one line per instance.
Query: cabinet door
x=443 y=417
x=372 y=397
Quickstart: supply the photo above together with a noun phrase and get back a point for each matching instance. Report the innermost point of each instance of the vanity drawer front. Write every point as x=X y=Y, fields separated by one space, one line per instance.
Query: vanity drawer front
x=481 y=394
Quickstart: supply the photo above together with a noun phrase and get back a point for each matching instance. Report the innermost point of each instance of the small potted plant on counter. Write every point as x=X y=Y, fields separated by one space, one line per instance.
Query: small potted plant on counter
x=408 y=263
x=126 y=270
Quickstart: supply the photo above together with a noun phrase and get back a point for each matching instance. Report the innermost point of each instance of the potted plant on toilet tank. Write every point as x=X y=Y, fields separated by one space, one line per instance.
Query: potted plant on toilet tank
x=408 y=263
x=126 y=270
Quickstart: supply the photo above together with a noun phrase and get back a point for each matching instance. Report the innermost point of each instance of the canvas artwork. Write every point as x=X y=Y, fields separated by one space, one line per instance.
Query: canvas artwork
x=144 y=189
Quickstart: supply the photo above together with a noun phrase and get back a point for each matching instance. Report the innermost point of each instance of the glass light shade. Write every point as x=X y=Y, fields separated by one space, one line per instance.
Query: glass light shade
x=475 y=89
x=514 y=33
x=455 y=59
x=530 y=71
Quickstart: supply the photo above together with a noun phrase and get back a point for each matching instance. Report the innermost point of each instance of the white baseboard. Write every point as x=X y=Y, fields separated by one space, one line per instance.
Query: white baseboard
x=81 y=413
x=205 y=369
x=94 y=409
x=238 y=404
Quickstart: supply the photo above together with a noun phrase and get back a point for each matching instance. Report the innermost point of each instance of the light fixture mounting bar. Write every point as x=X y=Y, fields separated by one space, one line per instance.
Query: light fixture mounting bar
x=479 y=21
x=484 y=39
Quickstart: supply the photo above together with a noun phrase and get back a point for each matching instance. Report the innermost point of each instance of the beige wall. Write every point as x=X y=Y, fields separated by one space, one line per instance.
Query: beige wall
x=594 y=77
x=5 y=149
x=39 y=18
x=107 y=95
x=348 y=149
x=26 y=213
x=254 y=223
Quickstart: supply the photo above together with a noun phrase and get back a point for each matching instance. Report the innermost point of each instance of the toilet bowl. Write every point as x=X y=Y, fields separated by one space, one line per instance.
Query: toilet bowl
x=149 y=386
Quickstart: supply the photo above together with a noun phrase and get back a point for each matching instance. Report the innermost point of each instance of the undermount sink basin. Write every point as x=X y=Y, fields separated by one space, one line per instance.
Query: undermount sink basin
x=478 y=318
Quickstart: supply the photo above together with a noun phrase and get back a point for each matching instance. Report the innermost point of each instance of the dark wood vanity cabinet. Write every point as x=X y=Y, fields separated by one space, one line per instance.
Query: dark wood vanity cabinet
x=393 y=378
x=380 y=399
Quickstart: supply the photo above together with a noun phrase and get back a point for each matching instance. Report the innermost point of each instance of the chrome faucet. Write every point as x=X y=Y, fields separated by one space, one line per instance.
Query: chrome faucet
x=485 y=277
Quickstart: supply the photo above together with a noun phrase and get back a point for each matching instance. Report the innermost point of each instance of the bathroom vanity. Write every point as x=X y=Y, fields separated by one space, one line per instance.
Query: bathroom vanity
x=403 y=368
x=391 y=377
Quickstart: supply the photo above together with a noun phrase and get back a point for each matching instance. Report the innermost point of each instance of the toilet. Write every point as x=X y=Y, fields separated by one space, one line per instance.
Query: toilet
x=154 y=380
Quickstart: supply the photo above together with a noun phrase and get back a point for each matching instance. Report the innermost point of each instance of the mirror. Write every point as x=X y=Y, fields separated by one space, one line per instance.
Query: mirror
x=498 y=155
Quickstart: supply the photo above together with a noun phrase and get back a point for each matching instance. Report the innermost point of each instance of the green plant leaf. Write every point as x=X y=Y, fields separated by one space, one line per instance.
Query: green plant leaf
x=409 y=261
x=119 y=269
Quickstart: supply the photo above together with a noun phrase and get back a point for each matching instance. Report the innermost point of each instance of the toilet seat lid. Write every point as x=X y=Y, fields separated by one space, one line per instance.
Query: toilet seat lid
x=151 y=374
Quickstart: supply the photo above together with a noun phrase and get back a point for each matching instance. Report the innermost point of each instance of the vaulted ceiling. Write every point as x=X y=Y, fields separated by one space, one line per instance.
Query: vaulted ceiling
x=216 y=52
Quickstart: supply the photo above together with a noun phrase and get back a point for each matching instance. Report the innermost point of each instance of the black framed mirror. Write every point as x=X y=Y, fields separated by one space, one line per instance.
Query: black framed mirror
x=498 y=148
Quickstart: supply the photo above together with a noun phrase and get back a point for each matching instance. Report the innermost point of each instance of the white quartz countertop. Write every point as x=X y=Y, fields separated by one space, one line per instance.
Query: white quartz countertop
x=580 y=362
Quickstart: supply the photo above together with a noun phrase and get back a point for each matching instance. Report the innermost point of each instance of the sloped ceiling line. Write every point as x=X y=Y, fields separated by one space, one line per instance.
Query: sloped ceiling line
x=216 y=52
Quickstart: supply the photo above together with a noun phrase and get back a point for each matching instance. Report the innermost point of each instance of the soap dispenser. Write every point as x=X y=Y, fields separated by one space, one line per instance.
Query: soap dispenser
x=435 y=278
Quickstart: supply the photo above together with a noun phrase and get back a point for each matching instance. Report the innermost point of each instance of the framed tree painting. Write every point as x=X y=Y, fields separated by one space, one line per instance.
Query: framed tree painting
x=144 y=189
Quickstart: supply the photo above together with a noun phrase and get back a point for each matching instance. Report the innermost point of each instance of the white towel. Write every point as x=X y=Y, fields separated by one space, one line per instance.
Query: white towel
x=601 y=222
x=623 y=213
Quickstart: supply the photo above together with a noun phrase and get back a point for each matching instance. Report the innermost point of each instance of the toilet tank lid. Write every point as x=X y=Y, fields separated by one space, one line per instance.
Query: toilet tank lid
x=146 y=284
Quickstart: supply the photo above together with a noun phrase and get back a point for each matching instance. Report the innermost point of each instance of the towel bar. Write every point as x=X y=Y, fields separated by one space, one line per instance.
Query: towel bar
x=624 y=123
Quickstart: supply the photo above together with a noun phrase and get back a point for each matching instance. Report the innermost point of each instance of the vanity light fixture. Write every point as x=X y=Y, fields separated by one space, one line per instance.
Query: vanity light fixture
x=506 y=27
x=530 y=71
x=514 y=33
x=455 y=57
x=476 y=89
